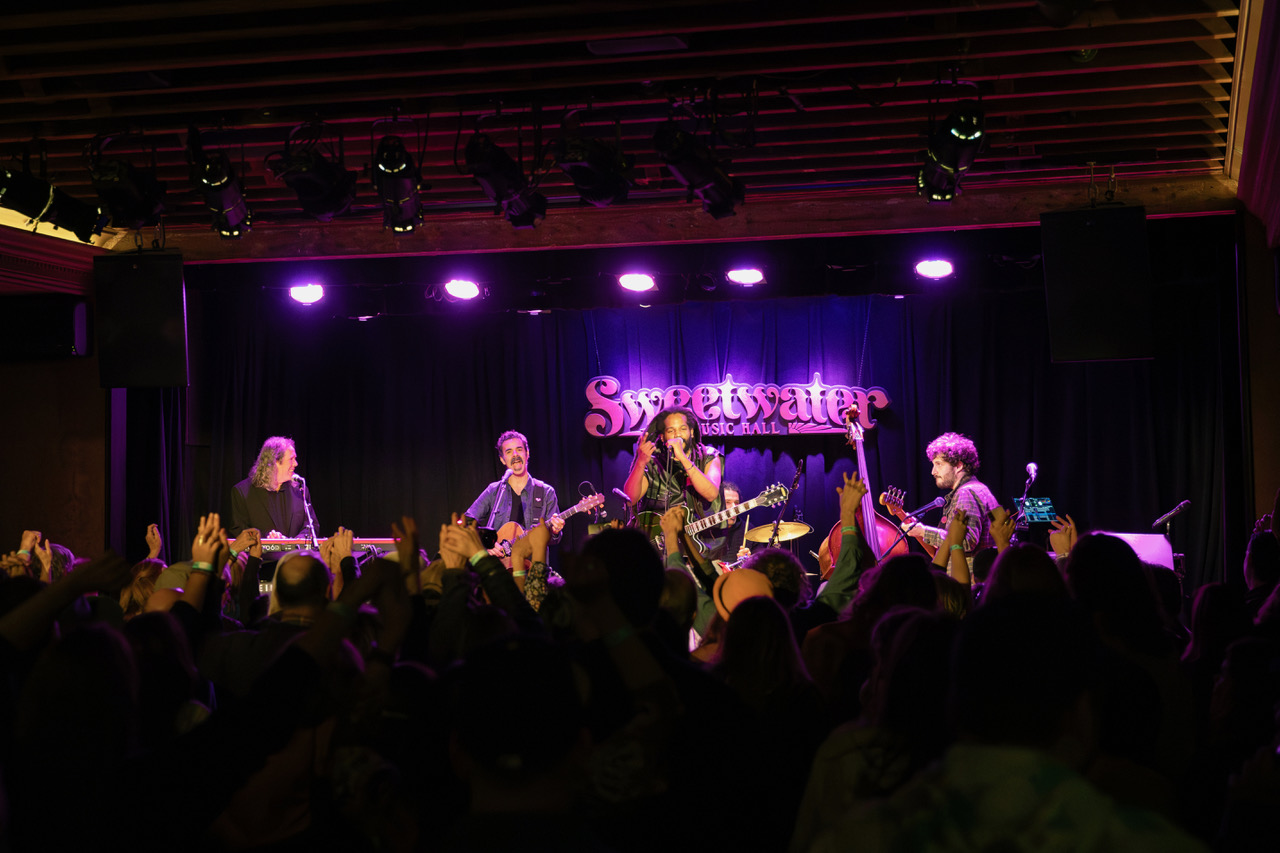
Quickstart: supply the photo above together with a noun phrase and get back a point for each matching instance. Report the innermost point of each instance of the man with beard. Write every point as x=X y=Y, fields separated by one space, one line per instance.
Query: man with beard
x=955 y=463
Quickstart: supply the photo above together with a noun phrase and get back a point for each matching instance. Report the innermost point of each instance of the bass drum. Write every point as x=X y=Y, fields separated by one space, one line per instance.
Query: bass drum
x=886 y=531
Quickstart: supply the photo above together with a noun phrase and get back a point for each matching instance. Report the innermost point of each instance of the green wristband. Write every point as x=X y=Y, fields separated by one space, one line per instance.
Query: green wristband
x=207 y=568
x=957 y=547
x=848 y=529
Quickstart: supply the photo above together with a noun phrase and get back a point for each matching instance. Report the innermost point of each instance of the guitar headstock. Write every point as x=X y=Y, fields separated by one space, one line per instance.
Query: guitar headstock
x=893 y=498
x=775 y=494
x=589 y=502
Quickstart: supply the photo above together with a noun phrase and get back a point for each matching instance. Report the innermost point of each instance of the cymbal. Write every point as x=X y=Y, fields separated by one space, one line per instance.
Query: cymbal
x=786 y=530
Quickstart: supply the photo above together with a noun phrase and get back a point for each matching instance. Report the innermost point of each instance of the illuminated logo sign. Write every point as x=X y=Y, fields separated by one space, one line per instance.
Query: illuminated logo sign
x=732 y=408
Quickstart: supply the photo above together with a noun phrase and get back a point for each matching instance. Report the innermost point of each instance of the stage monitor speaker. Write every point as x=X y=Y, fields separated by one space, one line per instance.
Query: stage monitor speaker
x=44 y=326
x=1151 y=548
x=141 y=313
x=1097 y=281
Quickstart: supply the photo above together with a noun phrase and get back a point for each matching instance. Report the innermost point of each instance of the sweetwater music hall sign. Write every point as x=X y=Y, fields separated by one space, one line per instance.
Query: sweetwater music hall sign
x=732 y=408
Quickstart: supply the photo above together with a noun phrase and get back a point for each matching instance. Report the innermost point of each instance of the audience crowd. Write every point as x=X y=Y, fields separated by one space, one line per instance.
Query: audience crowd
x=421 y=700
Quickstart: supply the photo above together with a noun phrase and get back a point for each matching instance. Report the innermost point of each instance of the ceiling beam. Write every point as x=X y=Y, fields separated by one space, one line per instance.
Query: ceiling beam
x=640 y=225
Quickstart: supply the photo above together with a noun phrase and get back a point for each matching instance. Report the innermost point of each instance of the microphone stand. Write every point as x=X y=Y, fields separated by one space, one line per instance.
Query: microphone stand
x=795 y=484
x=311 y=515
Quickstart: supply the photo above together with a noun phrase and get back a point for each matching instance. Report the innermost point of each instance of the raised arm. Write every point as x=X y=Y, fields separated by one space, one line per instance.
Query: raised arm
x=637 y=482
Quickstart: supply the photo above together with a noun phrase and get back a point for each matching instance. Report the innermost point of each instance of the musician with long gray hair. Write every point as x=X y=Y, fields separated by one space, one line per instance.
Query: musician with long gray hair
x=269 y=499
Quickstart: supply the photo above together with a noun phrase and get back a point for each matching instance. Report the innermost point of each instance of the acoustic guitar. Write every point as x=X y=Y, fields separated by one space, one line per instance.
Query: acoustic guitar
x=511 y=531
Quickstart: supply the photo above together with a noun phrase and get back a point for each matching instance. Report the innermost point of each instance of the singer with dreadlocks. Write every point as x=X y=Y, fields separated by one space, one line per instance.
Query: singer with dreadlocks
x=672 y=467
x=271 y=499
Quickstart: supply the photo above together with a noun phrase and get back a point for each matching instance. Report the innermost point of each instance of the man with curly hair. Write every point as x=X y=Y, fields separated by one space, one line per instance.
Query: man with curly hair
x=955 y=465
x=269 y=499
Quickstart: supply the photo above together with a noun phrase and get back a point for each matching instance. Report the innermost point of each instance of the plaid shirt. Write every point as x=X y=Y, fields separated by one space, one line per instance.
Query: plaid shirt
x=976 y=500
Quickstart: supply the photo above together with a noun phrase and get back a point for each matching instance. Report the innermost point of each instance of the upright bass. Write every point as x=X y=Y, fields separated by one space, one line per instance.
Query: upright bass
x=877 y=531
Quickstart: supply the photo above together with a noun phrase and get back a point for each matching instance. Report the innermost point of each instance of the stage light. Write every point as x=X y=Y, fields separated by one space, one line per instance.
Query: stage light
x=397 y=180
x=134 y=197
x=636 y=281
x=934 y=268
x=324 y=188
x=460 y=288
x=935 y=183
x=696 y=168
x=40 y=201
x=745 y=277
x=223 y=192
x=307 y=294
x=504 y=183
x=600 y=172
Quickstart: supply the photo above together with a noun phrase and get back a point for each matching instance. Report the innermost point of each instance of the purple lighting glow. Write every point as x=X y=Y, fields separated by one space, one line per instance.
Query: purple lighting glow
x=745 y=277
x=636 y=281
x=307 y=294
x=934 y=268
x=460 y=288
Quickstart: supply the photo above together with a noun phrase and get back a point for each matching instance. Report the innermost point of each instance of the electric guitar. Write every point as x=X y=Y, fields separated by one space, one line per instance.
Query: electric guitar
x=775 y=494
x=511 y=531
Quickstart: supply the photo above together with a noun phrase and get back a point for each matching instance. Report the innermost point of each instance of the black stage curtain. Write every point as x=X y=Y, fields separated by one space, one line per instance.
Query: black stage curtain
x=400 y=414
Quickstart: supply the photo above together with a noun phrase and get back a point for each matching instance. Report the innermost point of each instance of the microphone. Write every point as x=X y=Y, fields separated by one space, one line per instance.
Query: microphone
x=933 y=504
x=1177 y=510
x=1032 y=470
x=623 y=495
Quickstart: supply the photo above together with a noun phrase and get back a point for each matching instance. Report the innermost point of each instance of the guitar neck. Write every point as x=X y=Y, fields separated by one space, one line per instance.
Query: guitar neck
x=721 y=516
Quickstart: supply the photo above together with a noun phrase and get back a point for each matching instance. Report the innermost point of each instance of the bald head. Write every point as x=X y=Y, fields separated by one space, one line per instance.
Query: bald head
x=302 y=580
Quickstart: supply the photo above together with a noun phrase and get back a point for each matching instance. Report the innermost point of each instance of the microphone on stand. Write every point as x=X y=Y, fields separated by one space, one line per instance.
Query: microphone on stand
x=1032 y=471
x=933 y=504
x=1177 y=510
x=623 y=495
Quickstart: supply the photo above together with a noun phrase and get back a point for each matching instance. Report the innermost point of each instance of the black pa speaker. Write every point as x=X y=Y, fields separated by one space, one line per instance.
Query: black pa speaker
x=141 y=312
x=1097 y=282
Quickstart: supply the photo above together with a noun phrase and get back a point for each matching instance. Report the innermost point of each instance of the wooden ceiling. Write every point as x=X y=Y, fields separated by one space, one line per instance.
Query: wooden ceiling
x=820 y=108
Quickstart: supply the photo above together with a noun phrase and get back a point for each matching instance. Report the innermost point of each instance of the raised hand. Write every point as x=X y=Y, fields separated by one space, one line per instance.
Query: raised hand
x=154 y=542
x=957 y=528
x=245 y=540
x=851 y=494
x=406 y=536
x=1002 y=527
x=461 y=538
x=342 y=544
x=673 y=521
x=645 y=448
x=29 y=540
x=44 y=556
x=255 y=541
x=1062 y=538
x=205 y=547
x=326 y=553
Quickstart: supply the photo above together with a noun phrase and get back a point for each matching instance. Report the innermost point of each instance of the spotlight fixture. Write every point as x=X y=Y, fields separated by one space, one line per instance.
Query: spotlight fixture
x=698 y=170
x=504 y=183
x=745 y=277
x=223 y=192
x=397 y=180
x=133 y=196
x=307 y=294
x=600 y=172
x=40 y=201
x=636 y=281
x=934 y=268
x=461 y=288
x=953 y=146
x=324 y=188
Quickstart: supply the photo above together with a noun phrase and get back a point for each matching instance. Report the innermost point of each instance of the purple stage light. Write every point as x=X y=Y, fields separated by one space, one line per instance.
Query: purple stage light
x=460 y=288
x=745 y=277
x=307 y=294
x=636 y=281
x=934 y=268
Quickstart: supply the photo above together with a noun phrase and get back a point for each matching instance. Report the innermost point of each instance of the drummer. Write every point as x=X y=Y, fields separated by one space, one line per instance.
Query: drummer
x=729 y=546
